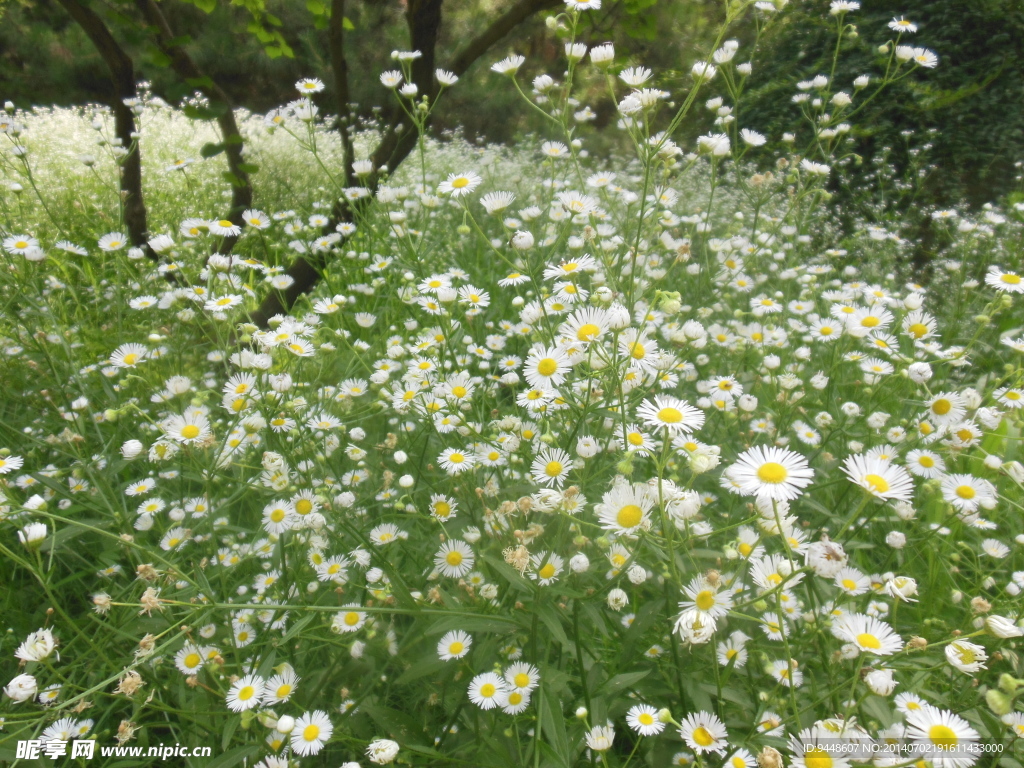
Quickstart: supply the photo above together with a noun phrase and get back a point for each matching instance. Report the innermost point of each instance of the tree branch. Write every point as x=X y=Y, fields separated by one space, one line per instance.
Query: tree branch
x=181 y=62
x=498 y=29
x=122 y=75
x=424 y=20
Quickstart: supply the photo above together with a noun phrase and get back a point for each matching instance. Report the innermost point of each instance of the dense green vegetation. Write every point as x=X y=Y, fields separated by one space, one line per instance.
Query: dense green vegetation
x=682 y=426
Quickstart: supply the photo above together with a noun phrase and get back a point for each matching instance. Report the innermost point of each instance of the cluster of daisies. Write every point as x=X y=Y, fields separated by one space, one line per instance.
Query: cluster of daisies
x=541 y=411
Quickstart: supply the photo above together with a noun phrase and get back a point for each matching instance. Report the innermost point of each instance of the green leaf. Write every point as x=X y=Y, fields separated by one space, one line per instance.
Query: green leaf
x=159 y=59
x=398 y=723
x=346 y=23
x=420 y=669
x=316 y=7
x=549 y=615
x=248 y=168
x=472 y=624
x=199 y=576
x=206 y=6
x=233 y=180
x=297 y=627
x=624 y=681
x=229 y=731
x=552 y=723
x=200 y=82
x=267 y=665
x=234 y=756
x=194 y=112
x=211 y=150
x=510 y=574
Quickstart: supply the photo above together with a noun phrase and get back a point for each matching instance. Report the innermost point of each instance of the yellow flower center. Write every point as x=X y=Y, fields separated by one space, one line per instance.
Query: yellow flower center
x=455 y=648
x=284 y=690
x=629 y=516
x=459 y=391
x=670 y=415
x=876 y=483
x=703 y=737
x=190 y=431
x=442 y=508
x=926 y=461
x=521 y=680
x=131 y=358
x=547 y=367
x=705 y=600
x=304 y=506
x=453 y=558
x=225 y=223
x=311 y=732
x=744 y=549
x=351 y=618
x=460 y=182
x=772 y=472
x=917 y=330
x=487 y=690
x=849 y=584
x=587 y=331
x=645 y=718
x=246 y=693
x=867 y=640
x=817 y=758
x=192 y=660
x=1011 y=279
x=553 y=469
x=966 y=492
x=515 y=698
x=941 y=407
x=966 y=655
x=546 y=573
x=943 y=736
x=870 y=321
x=637 y=351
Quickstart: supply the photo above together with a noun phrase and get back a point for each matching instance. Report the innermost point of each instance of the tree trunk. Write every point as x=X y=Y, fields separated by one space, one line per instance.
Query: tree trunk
x=339 y=64
x=122 y=76
x=181 y=62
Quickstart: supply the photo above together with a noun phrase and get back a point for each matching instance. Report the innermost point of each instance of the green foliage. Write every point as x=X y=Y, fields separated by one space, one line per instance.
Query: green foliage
x=970 y=108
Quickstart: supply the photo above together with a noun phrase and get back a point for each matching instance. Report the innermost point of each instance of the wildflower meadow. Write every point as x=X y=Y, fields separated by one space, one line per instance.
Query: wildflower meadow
x=665 y=449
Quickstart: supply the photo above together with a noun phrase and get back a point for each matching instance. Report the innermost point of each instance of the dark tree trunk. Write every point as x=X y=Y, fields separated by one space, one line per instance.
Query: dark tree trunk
x=122 y=75
x=186 y=69
x=339 y=64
